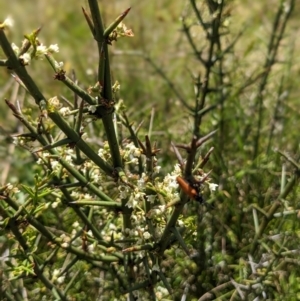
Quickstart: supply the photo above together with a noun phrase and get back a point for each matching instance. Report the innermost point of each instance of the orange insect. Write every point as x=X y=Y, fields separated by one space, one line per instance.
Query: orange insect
x=188 y=189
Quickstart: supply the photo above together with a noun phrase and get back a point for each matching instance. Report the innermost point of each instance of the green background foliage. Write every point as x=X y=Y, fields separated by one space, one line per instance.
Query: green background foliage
x=251 y=174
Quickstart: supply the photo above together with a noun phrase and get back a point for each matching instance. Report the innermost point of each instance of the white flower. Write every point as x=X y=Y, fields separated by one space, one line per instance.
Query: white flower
x=124 y=190
x=91 y=248
x=135 y=198
x=116 y=87
x=89 y=71
x=170 y=185
x=53 y=48
x=54 y=204
x=69 y=159
x=162 y=290
x=8 y=22
x=54 y=102
x=101 y=153
x=180 y=223
x=138 y=195
x=162 y=208
x=56 y=272
x=133 y=150
x=92 y=109
x=64 y=111
x=26 y=58
x=132 y=203
x=75 y=224
x=88 y=196
x=40 y=161
x=171 y=181
x=133 y=233
x=59 y=65
x=41 y=50
x=55 y=165
x=60 y=279
x=157 y=169
x=65 y=245
x=212 y=186
x=15 y=140
x=75 y=194
x=154 y=212
x=146 y=235
x=177 y=170
x=133 y=161
x=95 y=176
x=15 y=190
x=141 y=182
x=46 y=154
x=9 y=186
x=69 y=151
x=151 y=198
x=112 y=226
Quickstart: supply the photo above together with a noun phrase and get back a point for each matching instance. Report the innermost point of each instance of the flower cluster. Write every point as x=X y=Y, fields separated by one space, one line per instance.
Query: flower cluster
x=120 y=31
x=8 y=22
x=123 y=31
x=34 y=52
x=131 y=153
